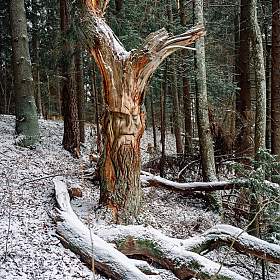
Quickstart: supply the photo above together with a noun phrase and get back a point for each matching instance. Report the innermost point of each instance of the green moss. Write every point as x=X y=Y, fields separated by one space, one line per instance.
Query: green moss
x=150 y=247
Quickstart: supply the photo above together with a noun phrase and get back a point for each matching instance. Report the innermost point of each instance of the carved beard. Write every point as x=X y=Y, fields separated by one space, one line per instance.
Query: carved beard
x=125 y=159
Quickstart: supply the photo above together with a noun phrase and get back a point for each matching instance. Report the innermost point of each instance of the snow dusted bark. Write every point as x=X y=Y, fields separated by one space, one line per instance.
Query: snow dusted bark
x=205 y=137
x=260 y=82
x=180 y=256
x=26 y=113
x=125 y=76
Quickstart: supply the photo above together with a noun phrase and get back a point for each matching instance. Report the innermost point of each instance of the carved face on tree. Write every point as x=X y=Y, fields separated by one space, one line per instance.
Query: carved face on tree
x=126 y=127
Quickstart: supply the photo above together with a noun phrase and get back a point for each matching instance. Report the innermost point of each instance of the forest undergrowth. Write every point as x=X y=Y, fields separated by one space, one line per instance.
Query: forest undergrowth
x=29 y=248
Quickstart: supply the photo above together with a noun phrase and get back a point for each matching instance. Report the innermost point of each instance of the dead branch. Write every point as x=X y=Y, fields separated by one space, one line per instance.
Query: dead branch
x=188 y=188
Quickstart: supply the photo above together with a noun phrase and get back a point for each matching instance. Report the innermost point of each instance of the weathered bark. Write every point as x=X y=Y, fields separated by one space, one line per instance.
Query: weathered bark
x=71 y=136
x=180 y=256
x=80 y=91
x=205 y=137
x=125 y=75
x=275 y=83
x=26 y=114
x=260 y=85
x=245 y=145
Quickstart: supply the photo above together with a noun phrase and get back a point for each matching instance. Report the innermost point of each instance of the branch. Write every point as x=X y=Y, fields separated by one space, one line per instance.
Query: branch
x=157 y=47
x=188 y=188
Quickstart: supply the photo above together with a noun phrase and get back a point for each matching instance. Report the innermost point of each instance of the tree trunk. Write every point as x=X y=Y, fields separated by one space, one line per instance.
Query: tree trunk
x=260 y=125
x=260 y=82
x=71 y=136
x=80 y=91
x=153 y=121
x=125 y=76
x=245 y=145
x=26 y=114
x=268 y=91
x=186 y=91
x=35 y=59
x=174 y=90
x=163 y=122
x=275 y=90
x=96 y=109
x=205 y=137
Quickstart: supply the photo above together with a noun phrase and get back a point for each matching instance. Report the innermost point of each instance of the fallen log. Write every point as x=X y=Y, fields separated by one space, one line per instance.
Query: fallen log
x=181 y=255
x=74 y=235
x=148 y=179
x=138 y=241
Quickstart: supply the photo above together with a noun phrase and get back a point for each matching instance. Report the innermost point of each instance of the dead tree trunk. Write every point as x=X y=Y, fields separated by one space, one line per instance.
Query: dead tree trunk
x=125 y=75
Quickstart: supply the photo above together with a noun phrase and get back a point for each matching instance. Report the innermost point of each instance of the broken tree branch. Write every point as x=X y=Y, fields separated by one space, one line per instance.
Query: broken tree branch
x=188 y=188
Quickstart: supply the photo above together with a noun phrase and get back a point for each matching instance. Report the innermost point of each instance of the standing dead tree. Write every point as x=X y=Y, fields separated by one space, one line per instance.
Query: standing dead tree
x=125 y=76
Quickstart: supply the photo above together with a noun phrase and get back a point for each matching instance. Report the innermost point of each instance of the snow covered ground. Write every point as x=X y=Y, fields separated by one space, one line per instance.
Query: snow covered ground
x=29 y=248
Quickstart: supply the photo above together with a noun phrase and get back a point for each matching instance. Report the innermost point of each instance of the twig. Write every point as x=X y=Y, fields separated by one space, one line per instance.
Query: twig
x=38 y=179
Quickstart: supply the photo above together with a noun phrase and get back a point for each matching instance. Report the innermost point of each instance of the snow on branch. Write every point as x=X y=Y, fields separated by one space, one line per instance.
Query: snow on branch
x=76 y=236
x=171 y=253
x=141 y=241
x=187 y=188
x=180 y=256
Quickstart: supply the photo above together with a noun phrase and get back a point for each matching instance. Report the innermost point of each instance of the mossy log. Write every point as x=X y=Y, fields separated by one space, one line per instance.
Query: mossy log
x=180 y=256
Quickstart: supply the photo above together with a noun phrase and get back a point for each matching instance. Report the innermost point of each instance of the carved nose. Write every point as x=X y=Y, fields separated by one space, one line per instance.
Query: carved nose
x=130 y=125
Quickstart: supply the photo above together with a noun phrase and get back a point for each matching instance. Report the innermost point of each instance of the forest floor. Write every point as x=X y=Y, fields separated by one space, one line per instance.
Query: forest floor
x=29 y=248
